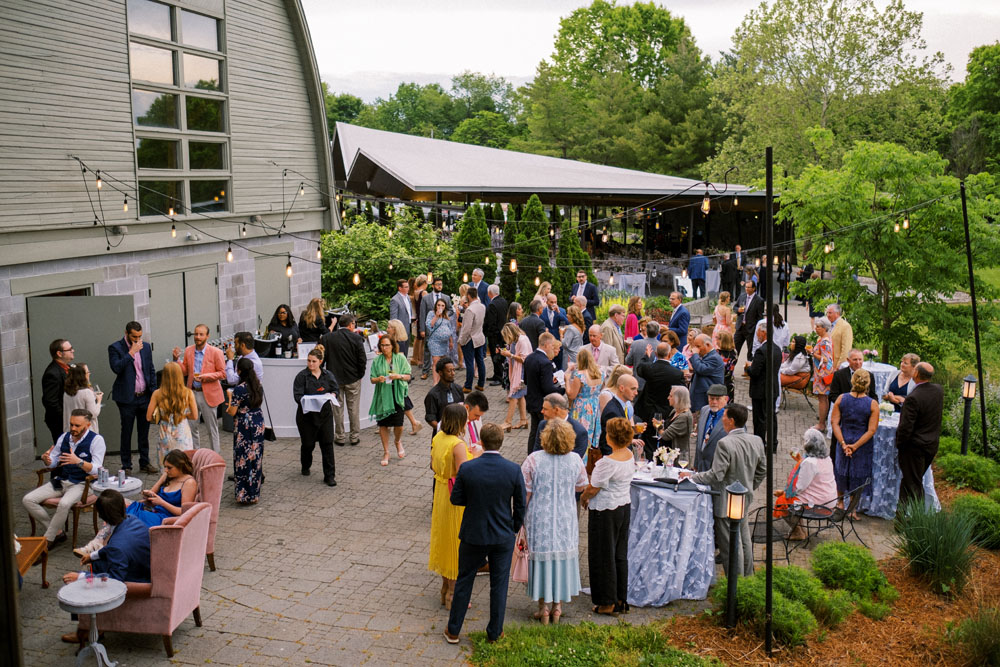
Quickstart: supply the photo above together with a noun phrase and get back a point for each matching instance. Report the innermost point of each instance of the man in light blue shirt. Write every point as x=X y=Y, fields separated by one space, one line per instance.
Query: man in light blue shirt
x=242 y=346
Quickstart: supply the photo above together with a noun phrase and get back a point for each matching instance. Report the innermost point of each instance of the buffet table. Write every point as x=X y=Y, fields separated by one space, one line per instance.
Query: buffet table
x=671 y=545
x=279 y=377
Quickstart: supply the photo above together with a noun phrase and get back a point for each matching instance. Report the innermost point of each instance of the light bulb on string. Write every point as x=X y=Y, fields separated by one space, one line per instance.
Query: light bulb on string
x=99 y=181
x=827 y=248
x=173 y=231
x=895 y=227
x=657 y=225
x=538 y=281
x=756 y=262
x=430 y=276
x=706 y=204
x=552 y=232
x=604 y=238
x=390 y=268
x=125 y=205
x=170 y=211
x=356 y=279
x=906 y=222
x=439 y=247
x=302 y=189
x=288 y=267
x=96 y=222
x=319 y=251
x=390 y=232
x=539 y=268
x=465 y=277
x=513 y=266
x=684 y=273
x=611 y=279
x=736 y=200
x=244 y=229
x=229 y=253
x=489 y=259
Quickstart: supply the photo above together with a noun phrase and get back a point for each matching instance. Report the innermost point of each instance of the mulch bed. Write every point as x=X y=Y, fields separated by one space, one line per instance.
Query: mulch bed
x=914 y=633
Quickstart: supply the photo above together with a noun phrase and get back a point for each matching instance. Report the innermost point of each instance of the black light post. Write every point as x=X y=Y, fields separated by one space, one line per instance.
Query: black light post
x=734 y=510
x=975 y=318
x=770 y=430
x=968 y=393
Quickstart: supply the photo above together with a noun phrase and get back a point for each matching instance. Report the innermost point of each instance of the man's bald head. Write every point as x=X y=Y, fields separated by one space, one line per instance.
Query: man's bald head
x=924 y=371
x=663 y=351
x=627 y=387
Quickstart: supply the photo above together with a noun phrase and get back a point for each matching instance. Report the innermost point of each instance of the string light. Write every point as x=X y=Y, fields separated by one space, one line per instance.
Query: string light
x=906 y=222
x=539 y=268
x=465 y=277
x=657 y=225
x=390 y=268
x=756 y=262
x=229 y=253
x=319 y=251
x=706 y=204
x=99 y=181
x=611 y=279
x=125 y=205
x=390 y=232
x=552 y=232
x=605 y=238
x=827 y=248
x=173 y=231
x=302 y=189
x=513 y=266
x=430 y=276
x=288 y=267
x=896 y=227
x=439 y=247
x=684 y=273
x=244 y=229
x=490 y=259
x=538 y=281
x=170 y=211
x=356 y=279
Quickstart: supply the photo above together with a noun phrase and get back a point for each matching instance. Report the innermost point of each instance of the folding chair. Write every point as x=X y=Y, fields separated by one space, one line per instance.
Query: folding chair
x=817 y=519
x=802 y=388
x=779 y=533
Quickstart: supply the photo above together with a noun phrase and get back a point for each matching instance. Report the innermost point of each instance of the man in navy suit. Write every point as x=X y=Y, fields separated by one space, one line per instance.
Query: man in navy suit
x=697 y=269
x=588 y=291
x=539 y=379
x=132 y=363
x=680 y=319
x=619 y=406
x=481 y=287
x=492 y=491
x=555 y=406
x=554 y=317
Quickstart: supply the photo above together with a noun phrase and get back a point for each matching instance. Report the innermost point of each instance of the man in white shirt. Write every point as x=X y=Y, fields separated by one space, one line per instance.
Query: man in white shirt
x=604 y=354
x=242 y=346
x=73 y=457
x=476 y=406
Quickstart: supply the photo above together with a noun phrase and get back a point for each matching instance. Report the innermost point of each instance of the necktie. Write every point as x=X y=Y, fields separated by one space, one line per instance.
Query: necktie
x=710 y=425
x=628 y=410
x=473 y=436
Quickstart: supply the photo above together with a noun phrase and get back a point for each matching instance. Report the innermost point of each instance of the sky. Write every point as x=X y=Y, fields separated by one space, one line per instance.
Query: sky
x=369 y=47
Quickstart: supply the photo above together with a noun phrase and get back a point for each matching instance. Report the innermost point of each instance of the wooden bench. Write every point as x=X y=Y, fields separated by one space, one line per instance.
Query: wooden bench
x=33 y=550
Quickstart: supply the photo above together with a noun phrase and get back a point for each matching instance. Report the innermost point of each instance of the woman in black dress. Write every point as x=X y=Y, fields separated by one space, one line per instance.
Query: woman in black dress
x=283 y=324
x=314 y=380
x=312 y=324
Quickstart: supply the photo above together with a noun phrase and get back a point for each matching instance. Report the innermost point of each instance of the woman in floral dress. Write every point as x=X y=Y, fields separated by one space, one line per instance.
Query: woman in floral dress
x=723 y=318
x=583 y=389
x=248 y=434
x=822 y=368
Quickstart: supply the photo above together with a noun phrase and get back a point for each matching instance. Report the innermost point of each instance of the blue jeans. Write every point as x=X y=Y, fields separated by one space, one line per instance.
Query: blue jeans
x=130 y=414
x=478 y=354
x=470 y=558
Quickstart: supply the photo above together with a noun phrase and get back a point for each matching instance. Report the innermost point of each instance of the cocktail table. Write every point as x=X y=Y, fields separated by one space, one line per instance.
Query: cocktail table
x=33 y=550
x=77 y=598
x=131 y=488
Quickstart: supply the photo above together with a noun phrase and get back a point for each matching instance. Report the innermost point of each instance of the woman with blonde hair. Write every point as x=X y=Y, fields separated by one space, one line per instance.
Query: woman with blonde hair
x=170 y=407
x=416 y=296
x=572 y=338
x=78 y=393
x=609 y=387
x=634 y=310
x=398 y=332
x=583 y=389
x=543 y=290
x=312 y=323
x=460 y=306
x=723 y=318
x=518 y=347
x=854 y=421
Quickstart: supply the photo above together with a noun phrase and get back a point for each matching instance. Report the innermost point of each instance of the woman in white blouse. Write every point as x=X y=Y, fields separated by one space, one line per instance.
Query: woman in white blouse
x=607 y=498
x=797 y=369
x=813 y=483
x=77 y=393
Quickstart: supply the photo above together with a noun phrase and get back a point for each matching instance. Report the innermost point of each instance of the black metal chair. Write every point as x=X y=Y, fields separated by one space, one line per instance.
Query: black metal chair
x=819 y=518
x=758 y=535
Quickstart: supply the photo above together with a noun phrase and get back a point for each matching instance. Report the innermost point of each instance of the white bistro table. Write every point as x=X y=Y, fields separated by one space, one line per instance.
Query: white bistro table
x=131 y=489
x=78 y=598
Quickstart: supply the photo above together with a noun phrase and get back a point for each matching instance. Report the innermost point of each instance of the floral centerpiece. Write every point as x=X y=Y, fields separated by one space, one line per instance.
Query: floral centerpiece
x=870 y=355
x=886 y=408
x=665 y=456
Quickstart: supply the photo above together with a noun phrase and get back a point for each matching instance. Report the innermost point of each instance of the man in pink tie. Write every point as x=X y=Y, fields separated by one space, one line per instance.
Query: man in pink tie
x=131 y=361
x=476 y=405
x=604 y=354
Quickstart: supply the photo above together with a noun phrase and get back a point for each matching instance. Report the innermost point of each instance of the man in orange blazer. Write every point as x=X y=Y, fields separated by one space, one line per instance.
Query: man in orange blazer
x=204 y=368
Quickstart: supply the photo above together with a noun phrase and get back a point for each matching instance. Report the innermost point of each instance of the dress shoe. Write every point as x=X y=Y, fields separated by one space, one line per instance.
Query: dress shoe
x=150 y=468
x=495 y=383
x=59 y=539
x=330 y=482
x=74 y=637
x=305 y=471
x=354 y=443
x=466 y=391
x=450 y=638
x=479 y=387
x=494 y=641
x=232 y=478
x=339 y=444
x=423 y=376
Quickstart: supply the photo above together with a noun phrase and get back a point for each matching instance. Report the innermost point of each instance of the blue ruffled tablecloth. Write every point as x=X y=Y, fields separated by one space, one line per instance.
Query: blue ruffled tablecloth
x=881 y=373
x=671 y=546
x=882 y=496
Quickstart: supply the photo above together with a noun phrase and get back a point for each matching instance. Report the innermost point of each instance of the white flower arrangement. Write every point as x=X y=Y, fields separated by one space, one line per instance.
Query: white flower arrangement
x=665 y=456
x=886 y=407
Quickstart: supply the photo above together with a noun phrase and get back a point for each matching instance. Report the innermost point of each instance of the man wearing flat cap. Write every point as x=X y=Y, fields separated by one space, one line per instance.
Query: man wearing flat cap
x=710 y=428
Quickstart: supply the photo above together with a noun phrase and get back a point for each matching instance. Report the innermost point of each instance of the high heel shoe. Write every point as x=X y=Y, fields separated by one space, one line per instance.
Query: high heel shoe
x=556 y=614
x=542 y=615
x=444 y=592
x=523 y=424
x=506 y=427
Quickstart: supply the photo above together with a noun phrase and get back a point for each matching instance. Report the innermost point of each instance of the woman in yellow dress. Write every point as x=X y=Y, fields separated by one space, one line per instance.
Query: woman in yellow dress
x=448 y=452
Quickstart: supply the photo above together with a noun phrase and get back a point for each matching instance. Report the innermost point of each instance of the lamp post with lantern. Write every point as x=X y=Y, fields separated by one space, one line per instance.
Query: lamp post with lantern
x=968 y=393
x=735 y=509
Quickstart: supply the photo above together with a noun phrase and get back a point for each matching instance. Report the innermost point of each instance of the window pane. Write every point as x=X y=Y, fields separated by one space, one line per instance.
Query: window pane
x=154 y=109
x=200 y=31
x=202 y=73
x=157 y=197
x=157 y=153
x=209 y=196
x=149 y=18
x=149 y=63
x=204 y=155
x=204 y=114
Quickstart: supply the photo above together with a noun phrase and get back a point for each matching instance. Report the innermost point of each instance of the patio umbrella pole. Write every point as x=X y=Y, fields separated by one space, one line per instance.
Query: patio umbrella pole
x=975 y=320
x=769 y=430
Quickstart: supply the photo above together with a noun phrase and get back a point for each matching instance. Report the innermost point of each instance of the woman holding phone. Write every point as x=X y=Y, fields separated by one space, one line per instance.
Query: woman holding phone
x=248 y=434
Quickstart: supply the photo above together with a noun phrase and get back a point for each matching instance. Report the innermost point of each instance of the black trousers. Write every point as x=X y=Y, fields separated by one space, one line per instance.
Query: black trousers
x=760 y=406
x=471 y=557
x=697 y=287
x=134 y=414
x=53 y=420
x=738 y=339
x=913 y=463
x=607 y=554
x=315 y=426
x=493 y=346
x=536 y=419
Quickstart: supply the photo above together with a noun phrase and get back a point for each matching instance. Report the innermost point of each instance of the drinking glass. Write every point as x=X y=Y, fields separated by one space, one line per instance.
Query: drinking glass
x=682 y=463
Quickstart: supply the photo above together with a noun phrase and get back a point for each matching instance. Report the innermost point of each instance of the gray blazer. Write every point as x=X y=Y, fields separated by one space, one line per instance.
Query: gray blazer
x=704 y=452
x=636 y=352
x=397 y=309
x=738 y=456
x=427 y=306
x=472 y=325
x=571 y=342
x=677 y=433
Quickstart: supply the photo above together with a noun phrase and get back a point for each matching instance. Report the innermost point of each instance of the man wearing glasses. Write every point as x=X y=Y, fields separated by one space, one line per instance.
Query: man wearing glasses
x=53 y=380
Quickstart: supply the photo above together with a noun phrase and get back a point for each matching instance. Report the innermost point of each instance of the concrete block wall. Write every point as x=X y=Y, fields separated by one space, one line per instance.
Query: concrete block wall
x=237 y=296
x=306 y=276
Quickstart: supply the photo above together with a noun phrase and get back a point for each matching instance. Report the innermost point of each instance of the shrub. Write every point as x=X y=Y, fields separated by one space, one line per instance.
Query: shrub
x=609 y=298
x=994 y=495
x=938 y=545
x=985 y=515
x=848 y=566
x=949 y=445
x=872 y=609
x=979 y=637
x=829 y=607
x=973 y=471
x=791 y=621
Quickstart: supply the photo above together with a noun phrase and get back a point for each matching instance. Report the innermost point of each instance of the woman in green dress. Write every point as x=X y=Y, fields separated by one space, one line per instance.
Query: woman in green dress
x=391 y=376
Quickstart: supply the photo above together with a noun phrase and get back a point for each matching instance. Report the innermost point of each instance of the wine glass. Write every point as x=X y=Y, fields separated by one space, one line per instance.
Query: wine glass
x=682 y=463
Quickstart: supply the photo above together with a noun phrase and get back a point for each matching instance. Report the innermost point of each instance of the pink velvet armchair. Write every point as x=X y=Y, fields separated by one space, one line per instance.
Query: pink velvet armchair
x=177 y=566
x=210 y=473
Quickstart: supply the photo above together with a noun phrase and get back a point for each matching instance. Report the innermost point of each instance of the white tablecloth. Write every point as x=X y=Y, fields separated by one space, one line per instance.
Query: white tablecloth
x=881 y=373
x=315 y=402
x=882 y=496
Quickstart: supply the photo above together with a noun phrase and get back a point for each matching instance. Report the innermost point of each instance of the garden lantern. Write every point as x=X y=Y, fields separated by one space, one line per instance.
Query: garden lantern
x=735 y=509
x=968 y=393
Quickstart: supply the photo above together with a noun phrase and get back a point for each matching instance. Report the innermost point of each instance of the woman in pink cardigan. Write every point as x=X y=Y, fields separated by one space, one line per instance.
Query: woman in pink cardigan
x=518 y=347
x=812 y=481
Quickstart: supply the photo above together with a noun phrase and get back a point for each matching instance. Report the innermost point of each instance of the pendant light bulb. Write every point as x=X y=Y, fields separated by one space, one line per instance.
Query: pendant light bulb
x=430 y=276
x=706 y=203
x=539 y=268
x=390 y=233
x=906 y=222
x=229 y=254
x=170 y=211
x=552 y=232
x=736 y=200
x=513 y=266
x=244 y=232
x=657 y=225
x=319 y=251
x=390 y=268
x=288 y=267
x=538 y=281
x=611 y=279
x=302 y=189
x=173 y=231
x=465 y=277
x=356 y=279
x=125 y=205
x=490 y=259
x=439 y=247
x=895 y=228
x=99 y=181
x=684 y=273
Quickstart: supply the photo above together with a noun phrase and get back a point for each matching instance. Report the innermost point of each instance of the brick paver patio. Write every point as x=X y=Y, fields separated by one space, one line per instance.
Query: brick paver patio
x=338 y=576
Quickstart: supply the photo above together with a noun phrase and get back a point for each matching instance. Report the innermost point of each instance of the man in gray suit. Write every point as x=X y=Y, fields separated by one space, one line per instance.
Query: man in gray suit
x=638 y=349
x=710 y=428
x=473 y=341
x=738 y=456
x=430 y=298
x=401 y=308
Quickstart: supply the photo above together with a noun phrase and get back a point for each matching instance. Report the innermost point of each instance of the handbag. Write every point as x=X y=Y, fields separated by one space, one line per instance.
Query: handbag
x=519 y=565
x=451 y=485
x=268 y=430
x=827 y=379
x=593 y=456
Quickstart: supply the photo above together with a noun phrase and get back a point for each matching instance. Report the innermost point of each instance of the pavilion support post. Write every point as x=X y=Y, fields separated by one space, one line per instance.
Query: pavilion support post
x=690 y=231
x=437 y=210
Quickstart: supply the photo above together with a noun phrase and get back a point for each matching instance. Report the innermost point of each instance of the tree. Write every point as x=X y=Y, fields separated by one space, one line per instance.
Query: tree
x=508 y=279
x=413 y=109
x=472 y=243
x=532 y=251
x=570 y=258
x=798 y=64
x=342 y=108
x=484 y=128
x=914 y=269
x=974 y=109
x=474 y=92
x=553 y=115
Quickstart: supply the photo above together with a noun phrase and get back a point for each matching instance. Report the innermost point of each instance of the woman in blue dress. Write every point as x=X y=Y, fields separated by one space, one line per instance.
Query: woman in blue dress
x=440 y=334
x=248 y=434
x=175 y=487
x=899 y=387
x=854 y=421
x=552 y=476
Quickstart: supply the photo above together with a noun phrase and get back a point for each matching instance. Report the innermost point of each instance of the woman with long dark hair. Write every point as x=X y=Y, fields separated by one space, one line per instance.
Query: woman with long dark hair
x=283 y=324
x=248 y=434
x=391 y=376
x=78 y=393
x=314 y=380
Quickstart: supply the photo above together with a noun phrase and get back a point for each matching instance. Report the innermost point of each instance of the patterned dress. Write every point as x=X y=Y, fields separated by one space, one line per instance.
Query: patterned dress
x=551 y=526
x=723 y=322
x=586 y=408
x=439 y=334
x=248 y=446
x=851 y=471
x=679 y=361
x=173 y=436
x=823 y=366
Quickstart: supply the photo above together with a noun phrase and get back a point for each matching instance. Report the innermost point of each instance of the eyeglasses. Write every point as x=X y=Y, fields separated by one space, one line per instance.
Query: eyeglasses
x=67 y=349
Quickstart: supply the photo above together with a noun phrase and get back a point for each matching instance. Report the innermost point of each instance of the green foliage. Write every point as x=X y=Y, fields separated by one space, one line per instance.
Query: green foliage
x=974 y=107
x=472 y=244
x=979 y=637
x=791 y=621
x=848 y=566
x=949 y=445
x=792 y=69
x=366 y=247
x=570 y=257
x=912 y=269
x=985 y=515
x=938 y=545
x=608 y=299
x=484 y=128
x=342 y=108
x=873 y=609
x=508 y=279
x=973 y=471
x=582 y=645
x=994 y=495
x=829 y=607
x=532 y=249
x=954 y=414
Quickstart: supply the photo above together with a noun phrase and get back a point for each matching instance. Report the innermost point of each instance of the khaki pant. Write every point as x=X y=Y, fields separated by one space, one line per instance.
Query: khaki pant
x=349 y=396
x=71 y=494
x=209 y=414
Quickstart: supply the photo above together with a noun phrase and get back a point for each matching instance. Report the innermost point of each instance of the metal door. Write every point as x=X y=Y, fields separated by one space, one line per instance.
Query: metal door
x=91 y=324
x=201 y=300
x=272 y=287
x=166 y=315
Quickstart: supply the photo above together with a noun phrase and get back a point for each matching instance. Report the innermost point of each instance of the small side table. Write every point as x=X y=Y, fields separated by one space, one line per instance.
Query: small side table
x=33 y=550
x=77 y=598
x=131 y=489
